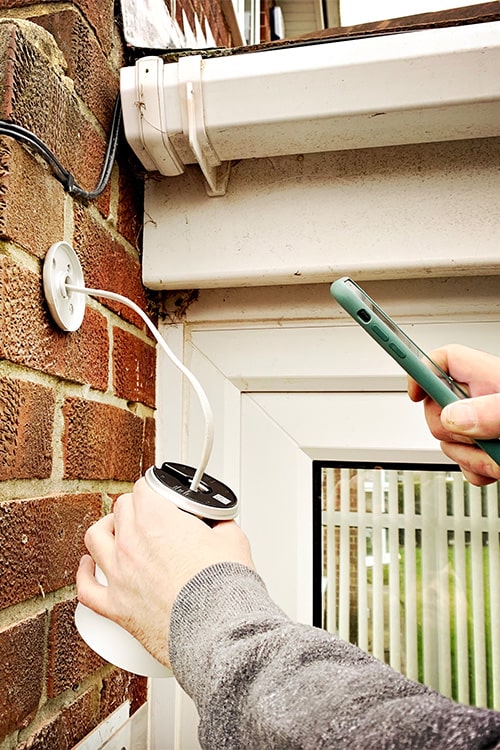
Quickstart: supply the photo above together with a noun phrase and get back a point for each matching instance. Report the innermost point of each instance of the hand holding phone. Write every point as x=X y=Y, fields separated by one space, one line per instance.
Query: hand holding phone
x=459 y=423
x=437 y=383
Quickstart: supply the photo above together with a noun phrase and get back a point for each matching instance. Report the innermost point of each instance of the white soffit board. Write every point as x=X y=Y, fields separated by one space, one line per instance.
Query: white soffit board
x=403 y=212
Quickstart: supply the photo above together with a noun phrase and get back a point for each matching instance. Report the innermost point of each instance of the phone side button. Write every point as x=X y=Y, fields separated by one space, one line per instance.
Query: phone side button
x=397 y=351
x=380 y=333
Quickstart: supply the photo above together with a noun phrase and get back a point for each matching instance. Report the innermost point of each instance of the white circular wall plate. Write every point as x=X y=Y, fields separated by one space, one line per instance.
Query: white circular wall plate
x=61 y=267
x=113 y=643
x=116 y=645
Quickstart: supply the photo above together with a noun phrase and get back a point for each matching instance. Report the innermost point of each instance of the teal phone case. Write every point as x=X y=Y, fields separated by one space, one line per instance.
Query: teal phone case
x=435 y=382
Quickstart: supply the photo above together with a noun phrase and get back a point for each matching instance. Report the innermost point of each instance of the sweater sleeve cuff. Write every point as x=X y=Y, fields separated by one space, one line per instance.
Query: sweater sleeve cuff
x=221 y=594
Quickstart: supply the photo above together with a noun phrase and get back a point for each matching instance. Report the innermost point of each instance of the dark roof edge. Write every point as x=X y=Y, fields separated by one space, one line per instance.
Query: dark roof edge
x=468 y=14
x=481 y=13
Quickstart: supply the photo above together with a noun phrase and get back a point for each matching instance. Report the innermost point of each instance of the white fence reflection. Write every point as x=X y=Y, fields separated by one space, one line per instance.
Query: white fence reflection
x=411 y=567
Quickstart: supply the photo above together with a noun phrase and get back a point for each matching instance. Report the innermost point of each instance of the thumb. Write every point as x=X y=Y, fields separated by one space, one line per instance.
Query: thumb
x=476 y=417
x=90 y=593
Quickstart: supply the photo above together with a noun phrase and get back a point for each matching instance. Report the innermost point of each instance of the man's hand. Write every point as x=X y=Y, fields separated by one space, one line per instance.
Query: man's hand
x=148 y=550
x=457 y=424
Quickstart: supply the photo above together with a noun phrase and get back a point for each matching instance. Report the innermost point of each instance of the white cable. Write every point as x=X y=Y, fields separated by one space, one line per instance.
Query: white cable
x=202 y=396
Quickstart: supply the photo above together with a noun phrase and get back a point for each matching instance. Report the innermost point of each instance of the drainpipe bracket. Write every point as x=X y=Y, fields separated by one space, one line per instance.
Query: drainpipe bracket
x=152 y=121
x=216 y=173
x=217 y=179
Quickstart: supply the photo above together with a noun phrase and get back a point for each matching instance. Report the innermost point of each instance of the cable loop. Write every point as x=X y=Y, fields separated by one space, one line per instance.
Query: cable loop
x=63 y=175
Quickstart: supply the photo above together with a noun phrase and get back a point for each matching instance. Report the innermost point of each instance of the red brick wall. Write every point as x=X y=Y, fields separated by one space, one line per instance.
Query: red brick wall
x=76 y=410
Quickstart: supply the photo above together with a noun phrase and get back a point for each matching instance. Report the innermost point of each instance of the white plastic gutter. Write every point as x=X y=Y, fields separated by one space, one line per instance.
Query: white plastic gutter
x=415 y=87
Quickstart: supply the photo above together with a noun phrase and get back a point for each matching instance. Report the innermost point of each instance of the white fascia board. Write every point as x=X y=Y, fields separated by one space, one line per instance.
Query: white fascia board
x=422 y=86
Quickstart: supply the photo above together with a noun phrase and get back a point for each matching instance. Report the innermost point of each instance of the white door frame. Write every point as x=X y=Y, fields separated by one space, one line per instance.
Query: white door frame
x=268 y=383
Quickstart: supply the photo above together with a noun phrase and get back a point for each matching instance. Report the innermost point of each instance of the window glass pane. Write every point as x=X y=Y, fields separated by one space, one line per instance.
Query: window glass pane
x=252 y=21
x=409 y=571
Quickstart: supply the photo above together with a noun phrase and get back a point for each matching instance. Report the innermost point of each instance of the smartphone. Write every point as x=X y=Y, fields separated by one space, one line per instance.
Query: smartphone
x=438 y=384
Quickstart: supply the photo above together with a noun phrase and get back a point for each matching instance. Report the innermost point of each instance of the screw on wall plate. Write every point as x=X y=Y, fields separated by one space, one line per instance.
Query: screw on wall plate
x=61 y=267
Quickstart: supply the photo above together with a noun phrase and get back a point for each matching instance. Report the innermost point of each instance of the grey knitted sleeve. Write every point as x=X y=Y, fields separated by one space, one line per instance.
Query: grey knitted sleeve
x=261 y=681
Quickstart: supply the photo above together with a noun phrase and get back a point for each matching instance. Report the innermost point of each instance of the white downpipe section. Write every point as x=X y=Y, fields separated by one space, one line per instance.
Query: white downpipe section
x=415 y=87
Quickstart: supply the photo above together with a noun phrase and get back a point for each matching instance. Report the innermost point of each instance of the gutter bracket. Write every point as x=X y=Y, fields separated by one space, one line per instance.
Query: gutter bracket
x=153 y=127
x=216 y=173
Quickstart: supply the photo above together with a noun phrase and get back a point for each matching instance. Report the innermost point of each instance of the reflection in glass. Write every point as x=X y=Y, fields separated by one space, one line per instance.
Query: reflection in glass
x=410 y=572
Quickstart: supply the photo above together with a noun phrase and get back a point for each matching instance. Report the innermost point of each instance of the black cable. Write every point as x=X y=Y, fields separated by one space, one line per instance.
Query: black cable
x=61 y=173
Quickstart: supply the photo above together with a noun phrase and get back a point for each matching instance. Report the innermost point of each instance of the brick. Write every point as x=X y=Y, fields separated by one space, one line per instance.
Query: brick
x=178 y=15
x=101 y=441
x=197 y=9
x=65 y=729
x=29 y=337
x=118 y=687
x=148 y=448
x=138 y=692
x=22 y=648
x=37 y=96
x=26 y=423
x=131 y=201
x=134 y=363
x=41 y=542
x=34 y=218
x=70 y=660
x=49 y=87
x=95 y=81
x=107 y=264
x=99 y=15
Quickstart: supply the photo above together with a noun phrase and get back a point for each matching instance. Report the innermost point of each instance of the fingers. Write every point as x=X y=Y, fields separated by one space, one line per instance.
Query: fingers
x=477 y=467
x=100 y=540
x=477 y=418
x=415 y=392
x=90 y=593
x=125 y=517
x=103 y=536
x=149 y=550
x=440 y=430
x=477 y=370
